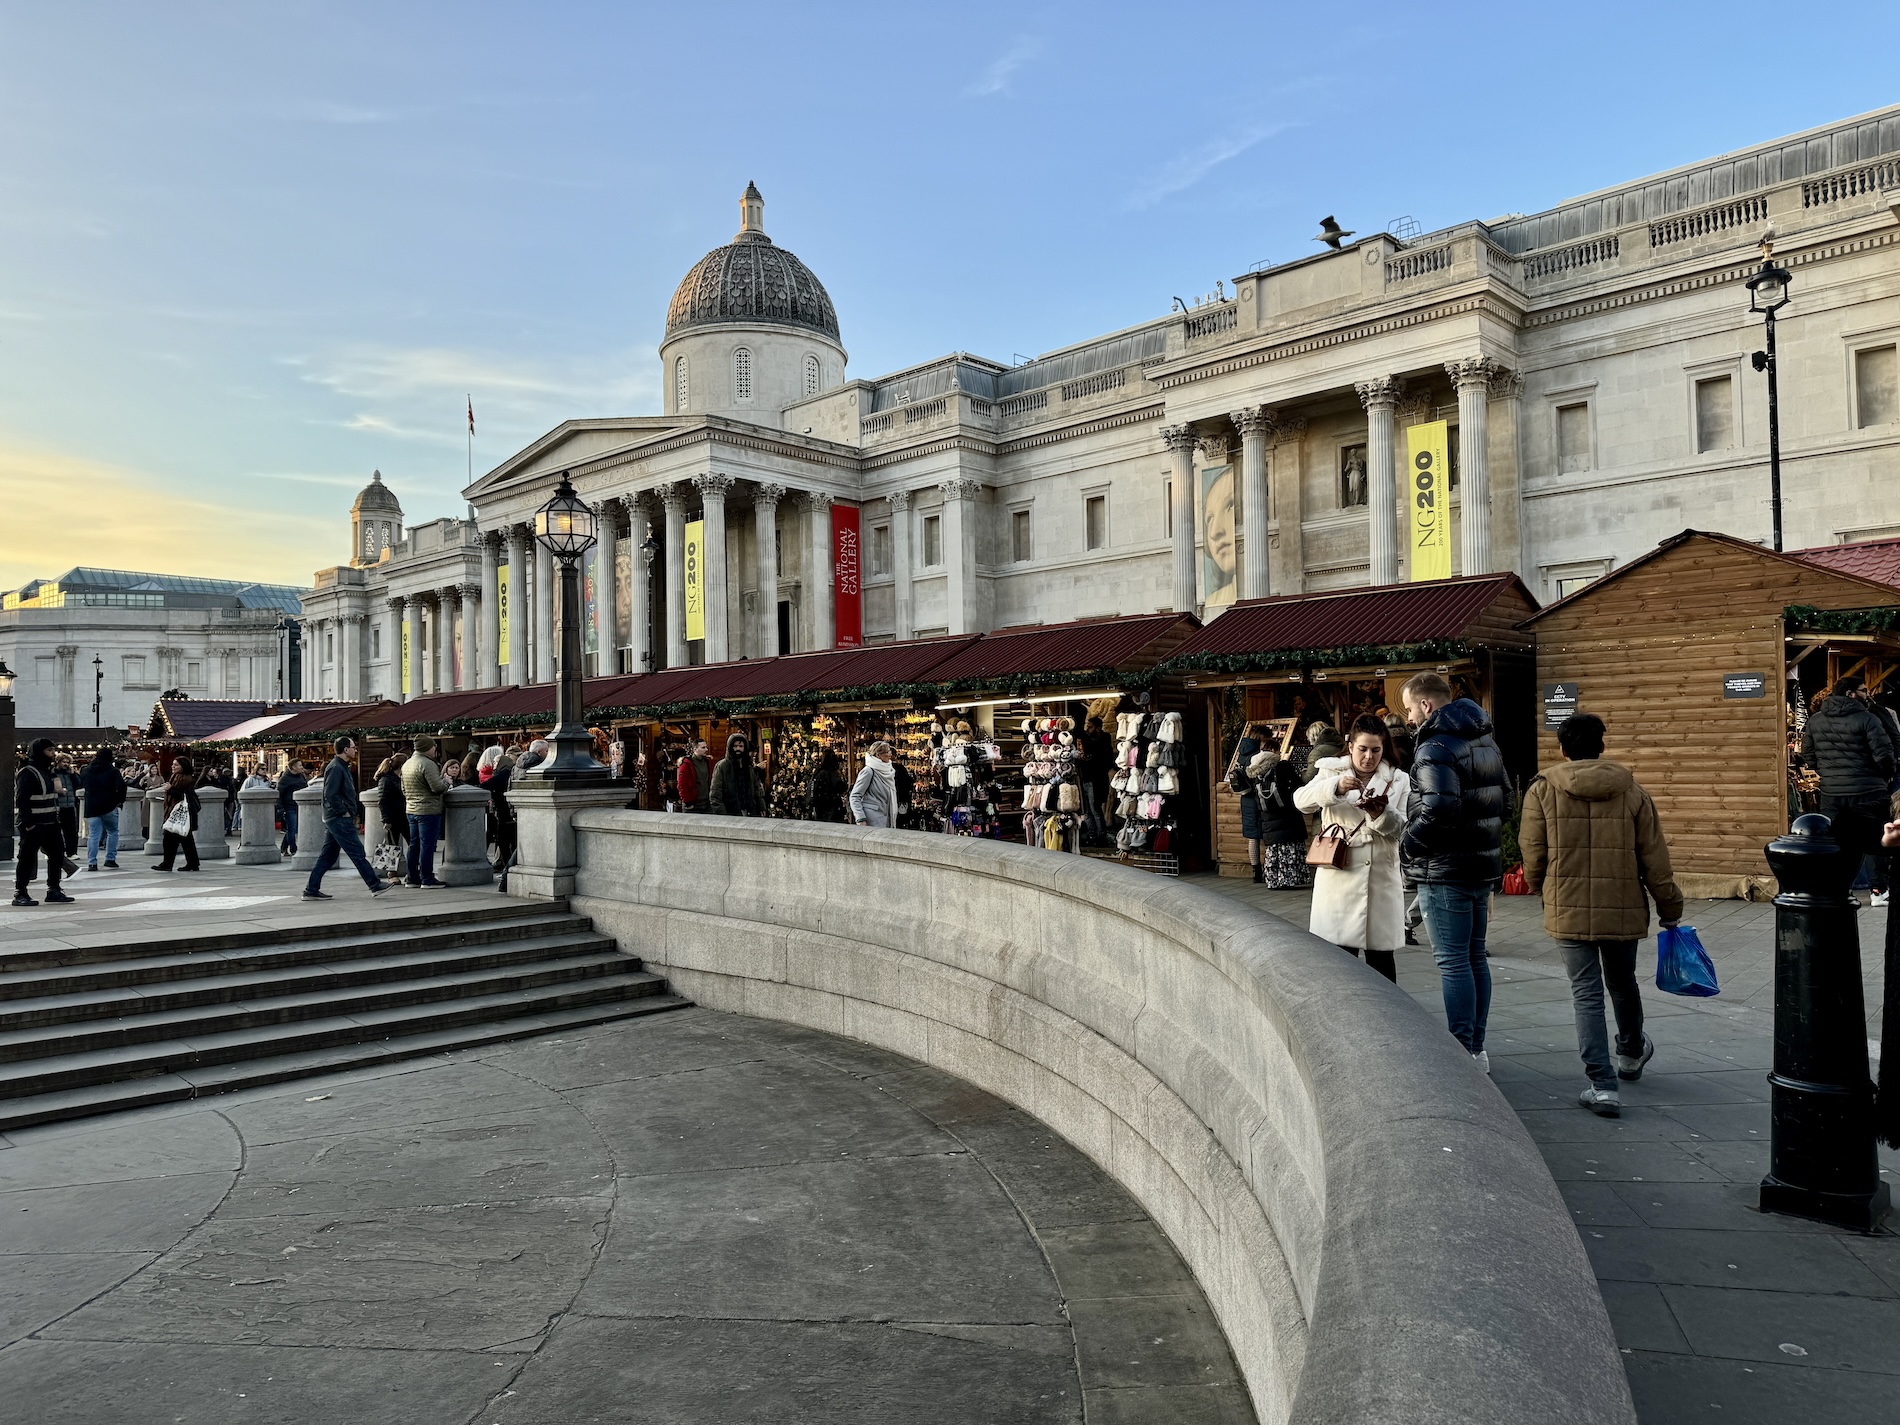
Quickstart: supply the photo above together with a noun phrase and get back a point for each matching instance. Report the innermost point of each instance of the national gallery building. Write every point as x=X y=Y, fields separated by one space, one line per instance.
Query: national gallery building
x=1592 y=363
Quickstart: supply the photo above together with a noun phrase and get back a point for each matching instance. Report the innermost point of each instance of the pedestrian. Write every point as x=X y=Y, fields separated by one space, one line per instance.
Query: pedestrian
x=485 y=768
x=391 y=804
x=738 y=786
x=289 y=784
x=1453 y=847
x=36 y=804
x=180 y=827
x=1362 y=796
x=1593 y=845
x=1098 y=771
x=1847 y=743
x=826 y=793
x=1322 y=740
x=339 y=825
x=68 y=787
x=874 y=793
x=1272 y=788
x=469 y=774
x=103 y=787
x=693 y=779
x=422 y=787
x=501 y=811
x=536 y=754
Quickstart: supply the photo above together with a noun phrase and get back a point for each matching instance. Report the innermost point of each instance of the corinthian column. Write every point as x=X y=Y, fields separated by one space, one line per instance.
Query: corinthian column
x=674 y=498
x=472 y=615
x=607 y=590
x=1380 y=397
x=765 y=500
x=712 y=496
x=1473 y=377
x=824 y=628
x=489 y=668
x=545 y=602
x=412 y=626
x=900 y=559
x=1254 y=424
x=959 y=547
x=1181 y=443
x=639 y=585
x=517 y=605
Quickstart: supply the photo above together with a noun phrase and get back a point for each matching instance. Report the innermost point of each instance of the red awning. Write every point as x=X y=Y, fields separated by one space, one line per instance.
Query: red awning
x=1130 y=644
x=1386 y=616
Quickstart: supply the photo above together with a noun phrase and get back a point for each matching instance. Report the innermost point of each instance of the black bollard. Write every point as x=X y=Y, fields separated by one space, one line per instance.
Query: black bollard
x=1822 y=1163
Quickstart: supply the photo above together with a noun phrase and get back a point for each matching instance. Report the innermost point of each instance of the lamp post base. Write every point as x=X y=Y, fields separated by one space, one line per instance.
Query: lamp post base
x=1861 y=1211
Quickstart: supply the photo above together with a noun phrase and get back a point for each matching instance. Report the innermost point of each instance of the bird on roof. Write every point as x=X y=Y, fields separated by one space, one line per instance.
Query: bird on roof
x=1331 y=233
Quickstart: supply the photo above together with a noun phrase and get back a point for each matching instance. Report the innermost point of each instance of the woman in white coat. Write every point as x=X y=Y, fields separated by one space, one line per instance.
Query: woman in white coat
x=1363 y=795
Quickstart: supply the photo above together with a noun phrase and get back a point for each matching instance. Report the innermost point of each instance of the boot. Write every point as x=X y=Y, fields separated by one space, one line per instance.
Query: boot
x=1260 y=873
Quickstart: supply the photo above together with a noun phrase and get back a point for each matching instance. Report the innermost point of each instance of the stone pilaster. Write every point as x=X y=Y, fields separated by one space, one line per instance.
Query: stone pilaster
x=488 y=674
x=1510 y=531
x=1286 y=503
x=1181 y=443
x=1255 y=424
x=765 y=500
x=712 y=494
x=471 y=598
x=674 y=498
x=517 y=674
x=607 y=588
x=824 y=626
x=1473 y=376
x=1380 y=397
x=544 y=602
x=959 y=540
x=900 y=561
x=639 y=585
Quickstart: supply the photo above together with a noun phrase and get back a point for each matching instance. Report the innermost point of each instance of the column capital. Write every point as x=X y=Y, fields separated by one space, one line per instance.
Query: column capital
x=673 y=496
x=1253 y=420
x=1287 y=430
x=1473 y=371
x=959 y=487
x=712 y=485
x=469 y=592
x=68 y=650
x=899 y=500
x=1380 y=391
x=767 y=494
x=396 y=602
x=1415 y=408
x=1180 y=438
x=817 y=500
x=606 y=508
x=1507 y=385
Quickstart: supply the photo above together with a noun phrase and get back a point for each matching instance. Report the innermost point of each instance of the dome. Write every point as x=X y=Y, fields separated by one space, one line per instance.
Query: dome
x=377 y=498
x=752 y=281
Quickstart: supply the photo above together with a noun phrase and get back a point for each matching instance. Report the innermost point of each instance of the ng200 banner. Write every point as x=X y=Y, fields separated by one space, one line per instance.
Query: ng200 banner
x=1427 y=486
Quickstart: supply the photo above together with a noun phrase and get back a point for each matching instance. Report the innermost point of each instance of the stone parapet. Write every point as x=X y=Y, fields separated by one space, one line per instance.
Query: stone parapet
x=1376 y=1232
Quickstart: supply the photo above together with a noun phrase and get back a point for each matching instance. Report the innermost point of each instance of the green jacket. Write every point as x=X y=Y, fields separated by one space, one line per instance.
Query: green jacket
x=422 y=786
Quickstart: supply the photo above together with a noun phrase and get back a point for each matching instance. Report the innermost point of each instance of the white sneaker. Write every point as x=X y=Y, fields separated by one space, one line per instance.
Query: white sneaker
x=1632 y=1068
x=1879 y=900
x=1605 y=1103
x=1482 y=1059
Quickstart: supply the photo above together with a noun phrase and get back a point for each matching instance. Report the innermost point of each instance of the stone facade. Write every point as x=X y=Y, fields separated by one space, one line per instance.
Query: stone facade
x=1592 y=361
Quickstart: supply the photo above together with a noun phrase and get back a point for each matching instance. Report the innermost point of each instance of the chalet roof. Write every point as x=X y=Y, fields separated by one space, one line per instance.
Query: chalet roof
x=1388 y=615
x=1876 y=559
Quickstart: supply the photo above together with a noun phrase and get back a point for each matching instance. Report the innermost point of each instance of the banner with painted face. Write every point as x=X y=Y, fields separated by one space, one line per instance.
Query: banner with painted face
x=695 y=579
x=1427 y=485
x=847 y=599
x=1220 y=566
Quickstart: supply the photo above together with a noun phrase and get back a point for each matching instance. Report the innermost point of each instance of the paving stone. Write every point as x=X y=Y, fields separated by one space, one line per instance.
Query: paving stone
x=1112 y=1259
x=1673 y=1388
x=1639 y=1315
x=1648 y=1162
x=1835 y=1331
x=1745 y=1162
x=1666 y=1089
x=1712 y=1206
x=1578 y=1125
x=1174 y=1405
x=42 y=1288
x=681 y=1042
x=1731 y=1122
x=91 y=1152
x=1052 y=1182
x=940 y=1097
x=1149 y=1340
x=1766 y=1261
x=315 y=1108
x=134 y=1215
x=1594 y=1204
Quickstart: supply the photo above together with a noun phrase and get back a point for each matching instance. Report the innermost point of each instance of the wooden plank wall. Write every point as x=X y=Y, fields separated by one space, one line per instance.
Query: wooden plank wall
x=1648 y=651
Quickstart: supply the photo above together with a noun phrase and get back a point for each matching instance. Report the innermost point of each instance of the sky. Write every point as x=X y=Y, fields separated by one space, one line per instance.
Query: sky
x=250 y=252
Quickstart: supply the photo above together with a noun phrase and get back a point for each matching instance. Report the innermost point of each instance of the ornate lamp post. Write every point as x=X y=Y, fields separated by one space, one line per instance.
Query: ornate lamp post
x=1768 y=294
x=565 y=527
x=98 y=687
x=7 y=734
x=649 y=547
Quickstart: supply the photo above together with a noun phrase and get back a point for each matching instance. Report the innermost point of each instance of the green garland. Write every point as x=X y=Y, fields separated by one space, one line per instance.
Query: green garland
x=1373 y=655
x=1805 y=619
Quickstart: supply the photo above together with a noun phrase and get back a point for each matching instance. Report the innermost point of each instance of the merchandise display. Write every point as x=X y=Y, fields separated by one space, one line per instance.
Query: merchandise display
x=1150 y=761
x=1052 y=785
x=966 y=779
x=794 y=754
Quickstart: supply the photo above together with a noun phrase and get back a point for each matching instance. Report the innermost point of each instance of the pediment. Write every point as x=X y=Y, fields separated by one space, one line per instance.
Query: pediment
x=573 y=443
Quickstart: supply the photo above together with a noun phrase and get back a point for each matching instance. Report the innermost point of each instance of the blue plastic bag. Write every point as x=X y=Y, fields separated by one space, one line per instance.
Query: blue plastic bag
x=1682 y=965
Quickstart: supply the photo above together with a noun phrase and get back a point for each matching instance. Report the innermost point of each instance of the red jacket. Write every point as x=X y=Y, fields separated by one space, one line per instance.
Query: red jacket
x=686 y=778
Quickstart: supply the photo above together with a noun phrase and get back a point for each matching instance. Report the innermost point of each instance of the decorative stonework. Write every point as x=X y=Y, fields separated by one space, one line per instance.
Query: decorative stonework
x=1380 y=391
x=819 y=501
x=1253 y=420
x=673 y=497
x=1416 y=409
x=899 y=501
x=768 y=495
x=1180 y=438
x=1507 y=385
x=712 y=485
x=1473 y=371
x=958 y=487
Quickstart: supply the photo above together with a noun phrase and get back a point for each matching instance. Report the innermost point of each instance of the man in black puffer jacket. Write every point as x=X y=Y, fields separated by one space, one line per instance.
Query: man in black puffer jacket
x=1847 y=743
x=1452 y=845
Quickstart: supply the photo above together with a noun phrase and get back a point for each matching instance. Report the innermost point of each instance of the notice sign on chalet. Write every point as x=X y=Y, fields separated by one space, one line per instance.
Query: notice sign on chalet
x=1744 y=685
x=1560 y=701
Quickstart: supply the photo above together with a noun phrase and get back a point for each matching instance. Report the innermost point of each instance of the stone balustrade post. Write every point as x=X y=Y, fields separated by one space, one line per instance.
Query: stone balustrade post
x=545 y=860
x=155 y=824
x=132 y=822
x=309 y=827
x=464 y=859
x=257 y=827
x=212 y=843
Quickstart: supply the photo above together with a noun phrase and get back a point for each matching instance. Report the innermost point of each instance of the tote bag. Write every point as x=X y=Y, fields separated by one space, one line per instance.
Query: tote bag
x=178 y=820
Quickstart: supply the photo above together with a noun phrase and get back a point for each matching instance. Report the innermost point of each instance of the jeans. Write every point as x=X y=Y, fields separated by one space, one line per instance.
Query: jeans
x=424 y=832
x=1858 y=822
x=1457 y=917
x=339 y=840
x=1093 y=798
x=289 y=814
x=102 y=828
x=1591 y=965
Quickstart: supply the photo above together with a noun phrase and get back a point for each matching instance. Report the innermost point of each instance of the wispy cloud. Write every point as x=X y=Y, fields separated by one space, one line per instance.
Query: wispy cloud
x=1185 y=170
x=995 y=78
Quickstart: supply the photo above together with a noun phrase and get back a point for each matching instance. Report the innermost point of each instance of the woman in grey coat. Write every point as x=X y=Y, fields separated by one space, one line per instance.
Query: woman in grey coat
x=874 y=794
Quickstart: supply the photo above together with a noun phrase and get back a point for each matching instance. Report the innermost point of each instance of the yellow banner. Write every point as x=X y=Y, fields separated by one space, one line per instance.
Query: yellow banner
x=501 y=603
x=695 y=580
x=405 y=657
x=1428 y=496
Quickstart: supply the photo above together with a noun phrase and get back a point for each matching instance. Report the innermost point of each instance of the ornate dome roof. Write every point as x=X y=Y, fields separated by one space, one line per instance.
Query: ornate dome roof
x=751 y=280
x=377 y=498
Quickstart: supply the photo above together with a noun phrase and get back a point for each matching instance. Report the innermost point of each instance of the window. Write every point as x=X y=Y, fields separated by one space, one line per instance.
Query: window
x=680 y=388
x=1573 y=437
x=1019 y=549
x=1567 y=587
x=742 y=374
x=1167 y=509
x=375 y=641
x=811 y=376
x=1095 y=521
x=194 y=675
x=1714 y=414
x=880 y=549
x=933 y=541
x=1352 y=477
x=329 y=648
x=1877 y=386
x=132 y=672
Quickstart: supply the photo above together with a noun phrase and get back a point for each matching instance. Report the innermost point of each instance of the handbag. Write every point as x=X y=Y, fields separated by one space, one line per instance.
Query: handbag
x=1683 y=967
x=1329 y=849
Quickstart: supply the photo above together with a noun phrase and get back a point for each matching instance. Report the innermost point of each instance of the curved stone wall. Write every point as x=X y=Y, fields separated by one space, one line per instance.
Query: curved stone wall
x=1376 y=1232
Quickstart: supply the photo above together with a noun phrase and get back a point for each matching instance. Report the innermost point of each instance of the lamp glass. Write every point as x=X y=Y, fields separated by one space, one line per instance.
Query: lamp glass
x=6 y=681
x=565 y=525
x=1768 y=288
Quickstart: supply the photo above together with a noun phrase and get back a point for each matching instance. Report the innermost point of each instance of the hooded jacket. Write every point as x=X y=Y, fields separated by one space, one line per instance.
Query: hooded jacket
x=874 y=794
x=1593 y=844
x=102 y=786
x=1463 y=796
x=1848 y=745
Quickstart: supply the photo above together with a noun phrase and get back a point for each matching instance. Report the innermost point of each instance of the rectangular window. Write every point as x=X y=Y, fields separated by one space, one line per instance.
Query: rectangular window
x=194 y=675
x=1167 y=509
x=1567 y=587
x=1715 y=414
x=1019 y=536
x=880 y=549
x=132 y=671
x=1877 y=386
x=1095 y=521
x=375 y=641
x=1573 y=437
x=1352 y=477
x=933 y=541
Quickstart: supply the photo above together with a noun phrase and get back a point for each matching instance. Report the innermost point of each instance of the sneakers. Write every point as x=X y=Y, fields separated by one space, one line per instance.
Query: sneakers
x=23 y=899
x=1411 y=936
x=1483 y=1060
x=1604 y=1103
x=58 y=898
x=1632 y=1068
x=435 y=885
x=112 y=865
x=1879 y=899
x=92 y=868
x=382 y=888
x=318 y=896
x=162 y=870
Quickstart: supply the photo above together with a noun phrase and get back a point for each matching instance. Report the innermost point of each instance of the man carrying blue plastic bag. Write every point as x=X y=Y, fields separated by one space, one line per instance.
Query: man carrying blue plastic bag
x=1593 y=845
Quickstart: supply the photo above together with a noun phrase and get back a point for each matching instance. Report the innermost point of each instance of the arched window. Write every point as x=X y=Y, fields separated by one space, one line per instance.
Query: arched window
x=679 y=385
x=811 y=376
x=742 y=374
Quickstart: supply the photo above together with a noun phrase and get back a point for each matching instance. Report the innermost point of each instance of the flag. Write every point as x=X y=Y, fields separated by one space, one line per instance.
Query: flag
x=471 y=415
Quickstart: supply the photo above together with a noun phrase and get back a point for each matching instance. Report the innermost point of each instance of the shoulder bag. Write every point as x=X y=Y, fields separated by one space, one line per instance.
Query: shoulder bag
x=1329 y=849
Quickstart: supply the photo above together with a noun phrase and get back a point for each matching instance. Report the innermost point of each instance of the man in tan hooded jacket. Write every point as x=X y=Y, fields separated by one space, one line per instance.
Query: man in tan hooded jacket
x=1593 y=845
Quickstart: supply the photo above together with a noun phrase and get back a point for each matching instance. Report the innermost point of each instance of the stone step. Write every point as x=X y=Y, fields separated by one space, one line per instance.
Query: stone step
x=75 y=1070
x=198 y=1082
x=275 y=1003
x=231 y=982
x=74 y=979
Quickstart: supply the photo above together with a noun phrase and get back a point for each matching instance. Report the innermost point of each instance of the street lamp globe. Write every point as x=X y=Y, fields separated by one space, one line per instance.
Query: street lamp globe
x=1768 y=288
x=565 y=526
x=6 y=680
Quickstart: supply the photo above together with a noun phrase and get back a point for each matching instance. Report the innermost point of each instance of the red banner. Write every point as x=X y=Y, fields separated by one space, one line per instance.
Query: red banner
x=847 y=590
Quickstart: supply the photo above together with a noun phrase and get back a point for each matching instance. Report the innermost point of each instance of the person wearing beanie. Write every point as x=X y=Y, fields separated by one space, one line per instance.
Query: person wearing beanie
x=36 y=802
x=422 y=787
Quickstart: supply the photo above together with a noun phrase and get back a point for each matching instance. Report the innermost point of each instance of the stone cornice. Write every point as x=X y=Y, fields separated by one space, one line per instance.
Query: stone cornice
x=1139 y=415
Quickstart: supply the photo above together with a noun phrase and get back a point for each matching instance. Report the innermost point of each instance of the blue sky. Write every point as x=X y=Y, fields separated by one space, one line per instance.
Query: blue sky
x=248 y=252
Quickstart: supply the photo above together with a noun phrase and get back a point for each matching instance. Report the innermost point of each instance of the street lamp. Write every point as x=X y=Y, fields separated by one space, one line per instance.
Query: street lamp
x=283 y=653
x=565 y=528
x=1768 y=294
x=98 y=686
x=649 y=548
x=7 y=734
